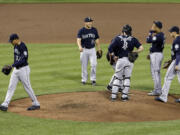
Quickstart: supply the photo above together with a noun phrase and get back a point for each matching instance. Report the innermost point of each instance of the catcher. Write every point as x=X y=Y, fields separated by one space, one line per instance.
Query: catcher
x=125 y=44
x=87 y=40
x=20 y=72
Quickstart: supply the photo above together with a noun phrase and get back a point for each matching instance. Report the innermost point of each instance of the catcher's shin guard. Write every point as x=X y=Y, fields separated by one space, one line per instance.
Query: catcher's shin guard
x=115 y=88
x=126 y=86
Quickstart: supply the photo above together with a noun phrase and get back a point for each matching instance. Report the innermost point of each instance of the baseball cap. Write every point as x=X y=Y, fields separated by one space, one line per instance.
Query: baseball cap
x=174 y=29
x=88 y=19
x=158 y=24
x=13 y=37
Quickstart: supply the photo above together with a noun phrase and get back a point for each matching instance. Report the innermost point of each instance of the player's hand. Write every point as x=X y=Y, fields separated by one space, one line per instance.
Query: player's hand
x=176 y=68
x=115 y=59
x=81 y=49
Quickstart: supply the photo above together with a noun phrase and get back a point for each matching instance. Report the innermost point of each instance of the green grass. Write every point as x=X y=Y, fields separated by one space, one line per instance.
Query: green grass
x=68 y=1
x=56 y=68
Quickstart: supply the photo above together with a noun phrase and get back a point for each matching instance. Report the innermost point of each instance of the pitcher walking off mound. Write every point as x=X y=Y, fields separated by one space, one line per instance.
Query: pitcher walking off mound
x=87 y=39
x=21 y=73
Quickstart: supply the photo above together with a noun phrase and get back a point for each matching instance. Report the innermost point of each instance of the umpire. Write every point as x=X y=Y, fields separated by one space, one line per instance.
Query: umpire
x=87 y=39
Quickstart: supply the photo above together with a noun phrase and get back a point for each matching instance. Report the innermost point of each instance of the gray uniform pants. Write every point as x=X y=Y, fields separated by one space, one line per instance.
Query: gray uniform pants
x=86 y=56
x=170 y=74
x=22 y=75
x=156 y=61
x=123 y=71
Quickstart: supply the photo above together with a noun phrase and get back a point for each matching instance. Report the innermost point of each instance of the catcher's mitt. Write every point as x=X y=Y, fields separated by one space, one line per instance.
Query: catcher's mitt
x=132 y=56
x=99 y=54
x=110 y=58
x=6 y=69
x=167 y=64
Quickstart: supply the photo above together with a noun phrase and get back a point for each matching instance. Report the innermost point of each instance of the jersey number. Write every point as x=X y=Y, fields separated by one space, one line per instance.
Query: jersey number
x=125 y=46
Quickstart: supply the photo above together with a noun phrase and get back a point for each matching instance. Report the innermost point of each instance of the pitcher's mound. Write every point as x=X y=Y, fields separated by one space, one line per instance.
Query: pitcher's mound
x=96 y=107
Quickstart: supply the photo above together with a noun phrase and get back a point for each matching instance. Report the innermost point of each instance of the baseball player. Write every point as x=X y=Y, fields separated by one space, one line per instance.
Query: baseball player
x=87 y=39
x=157 y=40
x=113 y=64
x=125 y=44
x=174 y=68
x=21 y=72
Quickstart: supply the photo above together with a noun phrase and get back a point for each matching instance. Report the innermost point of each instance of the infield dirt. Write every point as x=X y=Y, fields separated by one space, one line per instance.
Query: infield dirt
x=96 y=107
x=59 y=23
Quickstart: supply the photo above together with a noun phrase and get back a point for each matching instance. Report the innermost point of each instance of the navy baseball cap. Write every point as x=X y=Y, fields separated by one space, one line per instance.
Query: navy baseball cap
x=174 y=29
x=158 y=24
x=13 y=37
x=88 y=19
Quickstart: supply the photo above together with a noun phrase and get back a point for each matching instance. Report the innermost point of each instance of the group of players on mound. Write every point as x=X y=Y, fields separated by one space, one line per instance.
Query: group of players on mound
x=121 y=55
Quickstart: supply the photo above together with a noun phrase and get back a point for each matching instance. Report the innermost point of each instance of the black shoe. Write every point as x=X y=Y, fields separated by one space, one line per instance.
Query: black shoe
x=159 y=99
x=93 y=83
x=177 y=100
x=3 y=108
x=109 y=88
x=113 y=99
x=124 y=99
x=83 y=83
x=33 y=107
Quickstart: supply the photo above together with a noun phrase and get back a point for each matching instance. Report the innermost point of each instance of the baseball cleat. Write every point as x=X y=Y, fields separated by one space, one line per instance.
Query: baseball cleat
x=93 y=83
x=124 y=98
x=177 y=100
x=159 y=99
x=83 y=83
x=113 y=99
x=109 y=88
x=153 y=93
x=33 y=107
x=3 y=108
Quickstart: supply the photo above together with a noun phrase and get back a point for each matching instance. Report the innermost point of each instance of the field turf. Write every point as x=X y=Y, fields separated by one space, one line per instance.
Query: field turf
x=103 y=1
x=55 y=68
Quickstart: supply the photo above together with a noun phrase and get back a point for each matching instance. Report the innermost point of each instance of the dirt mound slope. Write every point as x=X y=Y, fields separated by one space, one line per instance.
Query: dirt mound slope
x=96 y=107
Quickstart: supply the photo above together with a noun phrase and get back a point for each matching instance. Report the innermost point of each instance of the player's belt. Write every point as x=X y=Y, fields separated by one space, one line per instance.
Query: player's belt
x=89 y=47
x=21 y=66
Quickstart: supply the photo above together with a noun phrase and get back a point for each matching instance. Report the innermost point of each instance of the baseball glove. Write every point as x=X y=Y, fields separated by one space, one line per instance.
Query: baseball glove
x=6 y=69
x=110 y=58
x=167 y=64
x=132 y=56
x=148 y=57
x=99 y=54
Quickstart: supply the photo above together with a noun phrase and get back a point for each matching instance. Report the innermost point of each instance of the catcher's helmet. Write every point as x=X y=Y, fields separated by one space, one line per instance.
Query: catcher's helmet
x=127 y=29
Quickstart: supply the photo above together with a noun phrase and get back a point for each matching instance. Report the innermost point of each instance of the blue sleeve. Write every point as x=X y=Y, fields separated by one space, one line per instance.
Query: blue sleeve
x=177 y=50
x=113 y=45
x=97 y=35
x=149 y=38
x=79 y=35
x=137 y=43
x=23 y=57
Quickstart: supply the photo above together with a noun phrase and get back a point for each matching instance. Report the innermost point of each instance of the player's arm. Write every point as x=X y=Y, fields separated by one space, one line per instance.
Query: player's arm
x=177 y=49
x=22 y=58
x=98 y=44
x=150 y=37
x=97 y=40
x=138 y=45
x=79 y=44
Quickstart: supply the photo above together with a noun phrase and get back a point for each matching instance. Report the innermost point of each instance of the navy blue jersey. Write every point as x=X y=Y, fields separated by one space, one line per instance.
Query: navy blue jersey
x=20 y=55
x=157 y=41
x=123 y=45
x=175 y=50
x=88 y=37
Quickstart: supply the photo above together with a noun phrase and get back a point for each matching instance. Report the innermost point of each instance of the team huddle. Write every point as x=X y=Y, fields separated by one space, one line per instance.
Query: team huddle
x=121 y=55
